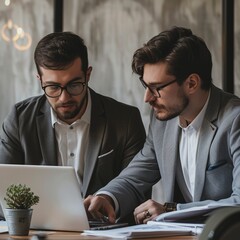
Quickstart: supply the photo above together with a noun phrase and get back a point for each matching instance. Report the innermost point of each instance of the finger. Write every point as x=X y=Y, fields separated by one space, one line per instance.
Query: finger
x=109 y=214
x=109 y=209
x=144 y=206
x=148 y=216
x=87 y=201
x=140 y=217
x=99 y=207
x=139 y=214
x=141 y=207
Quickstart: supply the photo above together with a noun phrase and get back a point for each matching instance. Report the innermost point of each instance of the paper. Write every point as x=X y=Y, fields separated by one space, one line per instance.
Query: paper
x=167 y=224
x=3 y=227
x=142 y=231
x=191 y=215
x=195 y=228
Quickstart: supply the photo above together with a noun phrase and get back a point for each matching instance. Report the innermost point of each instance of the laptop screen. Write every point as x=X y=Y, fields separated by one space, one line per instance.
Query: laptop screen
x=61 y=204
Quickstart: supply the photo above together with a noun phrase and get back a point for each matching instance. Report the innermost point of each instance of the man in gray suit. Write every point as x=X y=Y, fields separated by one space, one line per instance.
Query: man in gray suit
x=193 y=143
x=71 y=124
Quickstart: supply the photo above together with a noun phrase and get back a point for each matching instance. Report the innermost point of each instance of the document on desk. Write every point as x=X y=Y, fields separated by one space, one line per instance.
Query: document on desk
x=192 y=215
x=3 y=227
x=143 y=231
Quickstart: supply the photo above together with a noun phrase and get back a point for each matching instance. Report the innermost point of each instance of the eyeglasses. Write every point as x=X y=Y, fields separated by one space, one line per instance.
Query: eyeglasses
x=72 y=88
x=155 y=90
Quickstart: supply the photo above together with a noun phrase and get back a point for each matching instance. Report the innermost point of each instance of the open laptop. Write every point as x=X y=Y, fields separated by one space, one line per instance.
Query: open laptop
x=61 y=204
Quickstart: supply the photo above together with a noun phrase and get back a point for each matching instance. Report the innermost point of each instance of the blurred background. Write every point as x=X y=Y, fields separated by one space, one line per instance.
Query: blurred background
x=112 y=30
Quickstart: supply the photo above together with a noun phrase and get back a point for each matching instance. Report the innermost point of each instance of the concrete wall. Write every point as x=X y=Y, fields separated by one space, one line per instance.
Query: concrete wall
x=113 y=30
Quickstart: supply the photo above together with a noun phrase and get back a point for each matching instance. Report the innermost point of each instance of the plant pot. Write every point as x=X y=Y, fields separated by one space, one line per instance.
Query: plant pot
x=18 y=221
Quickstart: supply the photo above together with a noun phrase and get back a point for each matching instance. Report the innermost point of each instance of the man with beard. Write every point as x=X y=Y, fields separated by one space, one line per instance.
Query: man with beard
x=193 y=143
x=71 y=124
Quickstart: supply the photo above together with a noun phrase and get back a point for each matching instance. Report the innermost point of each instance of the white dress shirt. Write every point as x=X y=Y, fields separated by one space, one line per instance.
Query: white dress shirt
x=188 y=148
x=72 y=140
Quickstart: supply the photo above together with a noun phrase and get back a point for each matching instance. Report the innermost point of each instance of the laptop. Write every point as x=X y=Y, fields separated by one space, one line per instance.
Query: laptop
x=61 y=204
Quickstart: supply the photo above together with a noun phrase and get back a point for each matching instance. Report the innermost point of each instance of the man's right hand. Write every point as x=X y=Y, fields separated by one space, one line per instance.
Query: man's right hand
x=99 y=206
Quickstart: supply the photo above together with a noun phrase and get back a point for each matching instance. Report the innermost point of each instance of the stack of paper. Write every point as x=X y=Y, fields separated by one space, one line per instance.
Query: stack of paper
x=192 y=215
x=3 y=226
x=181 y=222
x=144 y=231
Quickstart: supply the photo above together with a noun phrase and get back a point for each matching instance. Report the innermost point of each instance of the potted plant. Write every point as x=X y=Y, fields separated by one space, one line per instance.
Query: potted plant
x=19 y=199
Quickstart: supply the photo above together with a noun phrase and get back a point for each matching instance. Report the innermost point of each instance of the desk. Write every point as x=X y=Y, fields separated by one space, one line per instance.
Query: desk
x=76 y=236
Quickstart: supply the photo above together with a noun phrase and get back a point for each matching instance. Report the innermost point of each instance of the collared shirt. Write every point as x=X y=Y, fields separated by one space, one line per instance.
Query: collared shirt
x=188 y=148
x=72 y=140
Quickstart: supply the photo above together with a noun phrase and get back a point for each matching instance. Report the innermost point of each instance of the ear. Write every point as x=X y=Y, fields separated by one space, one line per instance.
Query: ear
x=38 y=77
x=193 y=83
x=88 y=73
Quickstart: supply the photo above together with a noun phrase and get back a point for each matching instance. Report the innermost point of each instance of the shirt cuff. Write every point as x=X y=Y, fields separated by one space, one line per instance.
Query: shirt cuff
x=113 y=198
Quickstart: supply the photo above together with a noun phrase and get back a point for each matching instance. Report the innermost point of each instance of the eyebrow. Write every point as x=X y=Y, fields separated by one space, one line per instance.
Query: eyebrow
x=156 y=84
x=56 y=83
x=153 y=84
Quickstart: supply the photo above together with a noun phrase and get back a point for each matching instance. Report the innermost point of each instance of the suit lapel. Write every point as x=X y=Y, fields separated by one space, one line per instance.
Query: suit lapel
x=169 y=155
x=46 y=135
x=96 y=132
x=208 y=131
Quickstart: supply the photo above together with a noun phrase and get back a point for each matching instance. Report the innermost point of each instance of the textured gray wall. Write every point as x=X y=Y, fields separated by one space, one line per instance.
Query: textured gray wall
x=113 y=30
x=18 y=75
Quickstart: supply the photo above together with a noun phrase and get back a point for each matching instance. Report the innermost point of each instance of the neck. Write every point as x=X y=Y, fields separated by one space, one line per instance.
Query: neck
x=194 y=108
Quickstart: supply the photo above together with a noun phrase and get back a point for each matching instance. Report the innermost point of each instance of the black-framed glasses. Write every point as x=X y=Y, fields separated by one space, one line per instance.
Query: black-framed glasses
x=155 y=90
x=72 y=88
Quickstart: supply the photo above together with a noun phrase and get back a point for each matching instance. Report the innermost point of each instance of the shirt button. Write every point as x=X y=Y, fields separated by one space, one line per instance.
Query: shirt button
x=71 y=154
x=71 y=127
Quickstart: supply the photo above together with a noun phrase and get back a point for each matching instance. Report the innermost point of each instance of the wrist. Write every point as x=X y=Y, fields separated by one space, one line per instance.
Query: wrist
x=170 y=206
x=108 y=198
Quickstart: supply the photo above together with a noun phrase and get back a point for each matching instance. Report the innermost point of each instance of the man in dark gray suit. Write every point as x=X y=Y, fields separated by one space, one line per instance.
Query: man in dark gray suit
x=193 y=143
x=71 y=124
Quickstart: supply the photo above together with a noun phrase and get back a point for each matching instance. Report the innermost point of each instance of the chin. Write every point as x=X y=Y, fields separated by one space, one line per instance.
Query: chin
x=165 y=117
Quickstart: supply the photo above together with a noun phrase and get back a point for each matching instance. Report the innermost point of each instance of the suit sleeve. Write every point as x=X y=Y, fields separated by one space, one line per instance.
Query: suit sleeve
x=135 y=181
x=10 y=146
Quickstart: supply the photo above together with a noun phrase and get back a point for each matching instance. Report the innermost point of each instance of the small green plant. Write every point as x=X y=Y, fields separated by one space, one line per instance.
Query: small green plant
x=20 y=196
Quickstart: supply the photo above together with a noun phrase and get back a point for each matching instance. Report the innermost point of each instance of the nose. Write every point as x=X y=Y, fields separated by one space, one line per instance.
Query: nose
x=64 y=95
x=148 y=96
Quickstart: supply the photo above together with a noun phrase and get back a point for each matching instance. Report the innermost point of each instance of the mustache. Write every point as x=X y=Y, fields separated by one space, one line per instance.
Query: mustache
x=65 y=104
x=153 y=104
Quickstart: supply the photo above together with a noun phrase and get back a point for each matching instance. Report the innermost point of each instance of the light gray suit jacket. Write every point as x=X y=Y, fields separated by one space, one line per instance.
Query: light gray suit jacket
x=116 y=135
x=217 y=166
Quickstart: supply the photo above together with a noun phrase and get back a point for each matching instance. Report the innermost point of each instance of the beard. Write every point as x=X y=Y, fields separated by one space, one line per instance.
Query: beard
x=69 y=114
x=76 y=108
x=164 y=113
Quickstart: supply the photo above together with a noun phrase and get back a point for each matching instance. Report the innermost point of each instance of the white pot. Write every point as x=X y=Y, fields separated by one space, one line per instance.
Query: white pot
x=18 y=221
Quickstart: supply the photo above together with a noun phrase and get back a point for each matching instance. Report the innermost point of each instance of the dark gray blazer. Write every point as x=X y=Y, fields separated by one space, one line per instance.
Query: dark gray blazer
x=218 y=159
x=28 y=137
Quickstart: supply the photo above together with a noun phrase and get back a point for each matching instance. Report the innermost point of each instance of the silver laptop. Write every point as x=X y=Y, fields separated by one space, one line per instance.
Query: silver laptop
x=61 y=204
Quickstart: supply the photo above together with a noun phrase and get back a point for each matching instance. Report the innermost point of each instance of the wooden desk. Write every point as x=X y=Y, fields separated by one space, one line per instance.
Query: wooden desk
x=77 y=236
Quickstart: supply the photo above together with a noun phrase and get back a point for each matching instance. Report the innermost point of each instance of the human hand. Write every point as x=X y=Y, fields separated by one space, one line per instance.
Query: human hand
x=148 y=211
x=99 y=207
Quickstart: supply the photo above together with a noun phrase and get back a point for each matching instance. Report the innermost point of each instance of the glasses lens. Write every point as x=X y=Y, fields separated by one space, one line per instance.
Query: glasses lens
x=53 y=90
x=72 y=88
x=75 y=88
x=154 y=91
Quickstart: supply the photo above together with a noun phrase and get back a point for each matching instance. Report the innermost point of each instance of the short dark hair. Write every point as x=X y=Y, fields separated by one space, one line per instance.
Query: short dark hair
x=58 y=50
x=184 y=53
